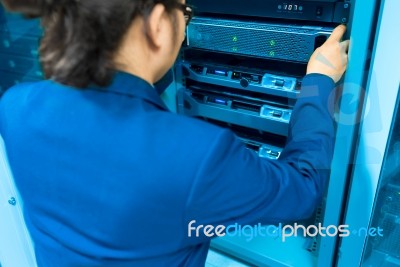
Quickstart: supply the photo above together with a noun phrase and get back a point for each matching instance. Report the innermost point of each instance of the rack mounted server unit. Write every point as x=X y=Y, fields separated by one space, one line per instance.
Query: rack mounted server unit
x=330 y=11
x=265 y=40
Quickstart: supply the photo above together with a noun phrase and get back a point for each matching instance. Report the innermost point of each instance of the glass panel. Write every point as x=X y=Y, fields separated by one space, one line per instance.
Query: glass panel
x=383 y=249
x=19 y=40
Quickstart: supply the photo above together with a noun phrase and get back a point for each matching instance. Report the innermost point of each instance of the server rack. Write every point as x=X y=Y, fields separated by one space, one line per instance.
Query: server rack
x=19 y=39
x=373 y=209
x=193 y=77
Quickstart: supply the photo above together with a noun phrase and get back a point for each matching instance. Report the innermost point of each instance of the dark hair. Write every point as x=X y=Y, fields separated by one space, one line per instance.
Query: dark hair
x=81 y=36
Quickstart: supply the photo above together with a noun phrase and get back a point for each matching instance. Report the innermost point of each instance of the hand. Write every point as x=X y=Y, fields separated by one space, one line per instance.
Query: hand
x=331 y=58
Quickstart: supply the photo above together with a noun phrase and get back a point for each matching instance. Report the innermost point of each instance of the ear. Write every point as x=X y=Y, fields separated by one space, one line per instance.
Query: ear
x=155 y=25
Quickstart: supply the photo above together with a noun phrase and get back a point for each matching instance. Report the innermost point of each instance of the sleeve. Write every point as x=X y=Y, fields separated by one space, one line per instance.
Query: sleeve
x=233 y=185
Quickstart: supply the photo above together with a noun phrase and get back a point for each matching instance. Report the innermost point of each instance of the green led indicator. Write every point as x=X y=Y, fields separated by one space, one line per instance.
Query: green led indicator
x=235 y=39
x=272 y=42
x=272 y=53
x=234 y=49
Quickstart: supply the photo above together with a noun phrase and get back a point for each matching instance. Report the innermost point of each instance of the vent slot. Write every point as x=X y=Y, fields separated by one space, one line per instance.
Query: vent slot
x=246 y=106
x=253 y=146
x=198 y=96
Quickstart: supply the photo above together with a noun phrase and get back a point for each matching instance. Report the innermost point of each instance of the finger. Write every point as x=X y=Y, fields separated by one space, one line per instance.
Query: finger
x=337 y=34
x=344 y=46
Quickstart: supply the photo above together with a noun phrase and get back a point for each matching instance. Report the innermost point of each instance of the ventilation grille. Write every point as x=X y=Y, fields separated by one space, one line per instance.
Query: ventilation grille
x=260 y=40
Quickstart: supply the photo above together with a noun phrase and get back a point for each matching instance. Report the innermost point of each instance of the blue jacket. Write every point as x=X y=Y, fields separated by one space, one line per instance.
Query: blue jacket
x=110 y=177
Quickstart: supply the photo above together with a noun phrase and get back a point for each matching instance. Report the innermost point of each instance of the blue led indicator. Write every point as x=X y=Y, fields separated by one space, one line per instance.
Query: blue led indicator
x=220 y=101
x=220 y=72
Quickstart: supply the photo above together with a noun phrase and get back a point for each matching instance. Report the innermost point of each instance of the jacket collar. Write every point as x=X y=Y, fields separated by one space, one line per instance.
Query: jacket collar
x=124 y=83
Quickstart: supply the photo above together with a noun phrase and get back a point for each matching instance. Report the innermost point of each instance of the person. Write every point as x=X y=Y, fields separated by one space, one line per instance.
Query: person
x=110 y=177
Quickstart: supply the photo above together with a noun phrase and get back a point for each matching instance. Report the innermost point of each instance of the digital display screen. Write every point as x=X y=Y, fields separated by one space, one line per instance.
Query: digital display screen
x=290 y=7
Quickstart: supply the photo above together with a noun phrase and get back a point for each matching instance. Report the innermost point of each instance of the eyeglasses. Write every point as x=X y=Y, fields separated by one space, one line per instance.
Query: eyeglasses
x=187 y=12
